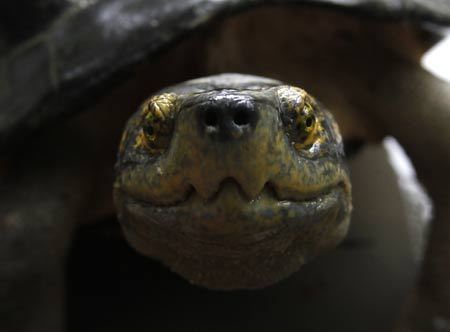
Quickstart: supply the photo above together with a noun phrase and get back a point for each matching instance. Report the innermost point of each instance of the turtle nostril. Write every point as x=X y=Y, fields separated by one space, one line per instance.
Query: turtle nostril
x=211 y=119
x=226 y=118
x=242 y=118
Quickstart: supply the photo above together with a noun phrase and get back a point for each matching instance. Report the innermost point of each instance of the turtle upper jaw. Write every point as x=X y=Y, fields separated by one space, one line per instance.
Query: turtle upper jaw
x=229 y=218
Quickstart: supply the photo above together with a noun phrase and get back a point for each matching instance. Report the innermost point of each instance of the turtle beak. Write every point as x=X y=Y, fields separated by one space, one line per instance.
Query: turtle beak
x=226 y=137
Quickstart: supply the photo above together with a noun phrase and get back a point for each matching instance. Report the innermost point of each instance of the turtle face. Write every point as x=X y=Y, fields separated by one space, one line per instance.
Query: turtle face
x=232 y=187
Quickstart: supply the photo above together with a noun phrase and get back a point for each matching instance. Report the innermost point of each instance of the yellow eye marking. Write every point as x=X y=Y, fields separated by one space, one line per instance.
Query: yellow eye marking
x=159 y=107
x=141 y=141
x=157 y=123
x=292 y=98
x=306 y=122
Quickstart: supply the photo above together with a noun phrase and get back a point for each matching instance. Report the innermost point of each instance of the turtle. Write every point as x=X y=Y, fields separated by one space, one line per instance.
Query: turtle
x=277 y=191
x=107 y=57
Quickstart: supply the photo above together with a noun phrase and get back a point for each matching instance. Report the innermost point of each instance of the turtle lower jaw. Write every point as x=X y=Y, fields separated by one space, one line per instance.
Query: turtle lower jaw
x=229 y=242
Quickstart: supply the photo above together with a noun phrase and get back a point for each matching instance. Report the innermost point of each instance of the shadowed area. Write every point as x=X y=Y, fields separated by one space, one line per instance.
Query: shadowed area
x=360 y=286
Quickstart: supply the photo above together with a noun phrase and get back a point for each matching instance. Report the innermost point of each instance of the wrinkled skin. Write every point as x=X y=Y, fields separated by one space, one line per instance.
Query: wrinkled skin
x=237 y=184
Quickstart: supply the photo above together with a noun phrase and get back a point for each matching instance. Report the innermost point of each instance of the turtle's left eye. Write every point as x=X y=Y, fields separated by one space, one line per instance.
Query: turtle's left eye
x=299 y=117
x=305 y=122
x=157 y=123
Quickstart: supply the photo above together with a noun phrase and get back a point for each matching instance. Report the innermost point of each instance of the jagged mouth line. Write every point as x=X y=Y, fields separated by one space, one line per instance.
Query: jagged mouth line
x=269 y=187
x=271 y=234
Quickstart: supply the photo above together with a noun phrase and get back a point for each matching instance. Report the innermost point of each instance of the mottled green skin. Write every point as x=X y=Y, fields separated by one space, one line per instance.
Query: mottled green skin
x=237 y=206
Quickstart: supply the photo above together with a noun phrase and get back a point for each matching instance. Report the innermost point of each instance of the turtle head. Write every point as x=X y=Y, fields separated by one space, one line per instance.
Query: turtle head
x=232 y=181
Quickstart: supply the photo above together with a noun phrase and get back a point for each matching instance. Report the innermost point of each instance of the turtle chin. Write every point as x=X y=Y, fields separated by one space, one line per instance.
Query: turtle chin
x=230 y=242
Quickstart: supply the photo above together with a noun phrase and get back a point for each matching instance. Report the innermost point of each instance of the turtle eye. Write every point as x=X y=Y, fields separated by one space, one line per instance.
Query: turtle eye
x=306 y=126
x=157 y=123
x=299 y=117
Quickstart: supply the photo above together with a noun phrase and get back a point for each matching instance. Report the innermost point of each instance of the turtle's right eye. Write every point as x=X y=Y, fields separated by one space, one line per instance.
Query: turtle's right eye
x=157 y=123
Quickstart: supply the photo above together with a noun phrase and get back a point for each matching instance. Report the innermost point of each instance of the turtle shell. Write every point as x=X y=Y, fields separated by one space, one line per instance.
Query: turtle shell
x=71 y=52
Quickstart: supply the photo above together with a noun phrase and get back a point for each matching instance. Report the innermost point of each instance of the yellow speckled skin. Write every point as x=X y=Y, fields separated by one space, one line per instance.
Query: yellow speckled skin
x=239 y=186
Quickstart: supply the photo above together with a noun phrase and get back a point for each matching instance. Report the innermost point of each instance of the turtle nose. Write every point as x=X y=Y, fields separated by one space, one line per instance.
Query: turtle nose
x=227 y=120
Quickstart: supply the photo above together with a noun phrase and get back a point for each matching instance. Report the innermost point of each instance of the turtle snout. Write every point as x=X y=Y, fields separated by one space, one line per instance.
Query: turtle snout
x=227 y=119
